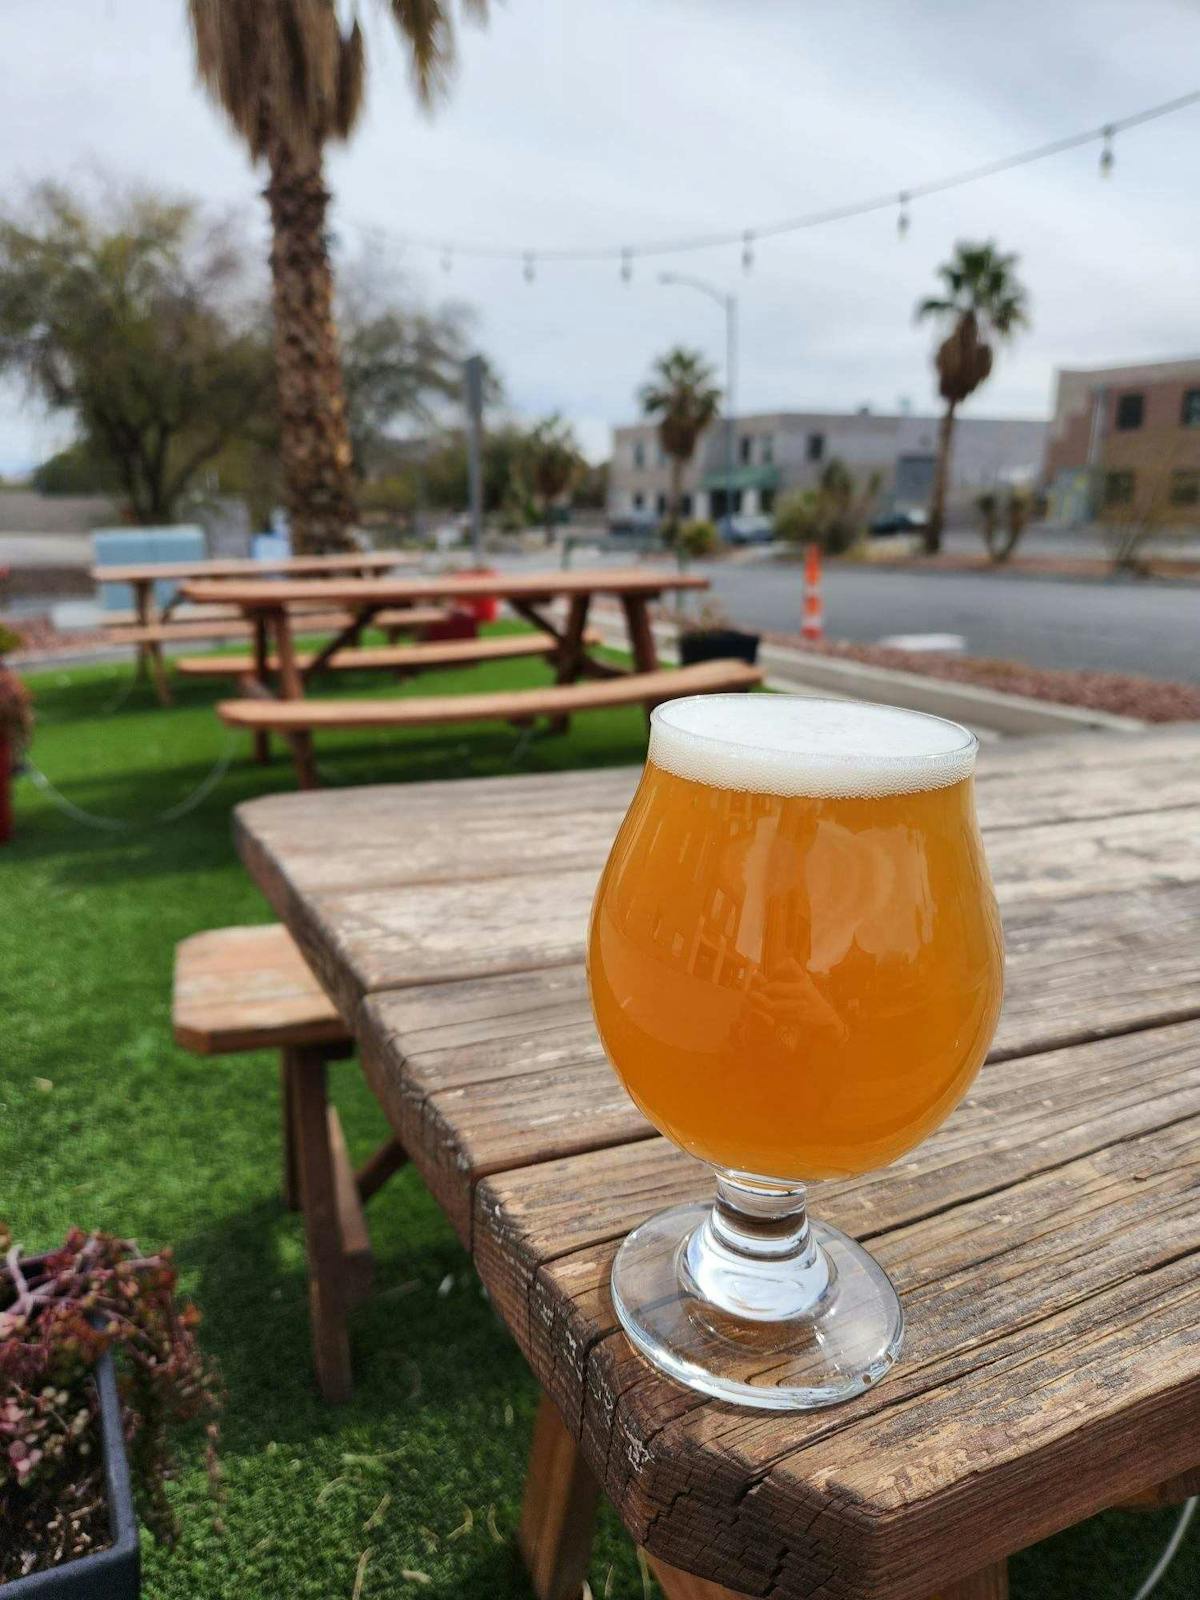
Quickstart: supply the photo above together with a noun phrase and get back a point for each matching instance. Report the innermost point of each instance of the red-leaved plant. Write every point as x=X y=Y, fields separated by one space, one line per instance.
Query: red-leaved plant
x=59 y=1313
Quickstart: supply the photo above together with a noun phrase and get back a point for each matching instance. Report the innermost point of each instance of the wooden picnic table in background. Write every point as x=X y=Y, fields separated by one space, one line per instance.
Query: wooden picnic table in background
x=270 y=606
x=147 y=631
x=1046 y=1240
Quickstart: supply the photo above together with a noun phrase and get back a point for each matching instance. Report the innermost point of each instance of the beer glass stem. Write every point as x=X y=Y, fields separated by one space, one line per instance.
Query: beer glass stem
x=754 y=1255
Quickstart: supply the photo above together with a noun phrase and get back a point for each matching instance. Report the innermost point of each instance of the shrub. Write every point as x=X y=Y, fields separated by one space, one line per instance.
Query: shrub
x=696 y=539
x=833 y=515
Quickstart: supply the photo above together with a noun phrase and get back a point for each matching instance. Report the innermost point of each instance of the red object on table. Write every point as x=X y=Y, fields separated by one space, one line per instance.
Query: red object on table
x=485 y=608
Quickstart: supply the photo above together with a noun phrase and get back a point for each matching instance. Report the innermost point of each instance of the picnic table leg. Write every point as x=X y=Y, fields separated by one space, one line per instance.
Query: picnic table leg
x=570 y=651
x=150 y=656
x=305 y=1065
x=989 y=1584
x=262 y=739
x=291 y=687
x=641 y=634
x=558 y=1515
x=141 y=606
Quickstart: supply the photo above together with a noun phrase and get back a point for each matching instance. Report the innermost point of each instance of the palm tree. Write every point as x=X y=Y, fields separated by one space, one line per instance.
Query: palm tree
x=681 y=395
x=984 y=301
x=290 y=81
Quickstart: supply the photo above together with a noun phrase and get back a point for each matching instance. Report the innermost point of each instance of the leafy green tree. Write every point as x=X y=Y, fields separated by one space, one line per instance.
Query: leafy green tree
x=401 y=362
x=983 y=302
x=551 y=463
x=133 y=317
x=291 y=78
x=681 y=396
x=79 y=469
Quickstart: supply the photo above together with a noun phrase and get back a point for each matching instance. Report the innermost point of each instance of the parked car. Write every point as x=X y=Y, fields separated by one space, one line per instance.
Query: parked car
x=898 y=522
x=747 y=529
x=634 y=525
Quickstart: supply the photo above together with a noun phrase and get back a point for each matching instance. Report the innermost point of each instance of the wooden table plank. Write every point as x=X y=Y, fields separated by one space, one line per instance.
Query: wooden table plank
x=363 y=940
x=252 y=568
x=483 y=1076
x=1032 y=1258
x=527 y=586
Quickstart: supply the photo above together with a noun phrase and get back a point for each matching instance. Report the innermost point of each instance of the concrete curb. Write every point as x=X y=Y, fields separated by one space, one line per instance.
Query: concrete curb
x=990 y=710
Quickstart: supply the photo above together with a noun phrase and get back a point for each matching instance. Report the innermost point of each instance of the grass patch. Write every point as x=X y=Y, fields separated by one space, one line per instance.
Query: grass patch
x=104 y=1122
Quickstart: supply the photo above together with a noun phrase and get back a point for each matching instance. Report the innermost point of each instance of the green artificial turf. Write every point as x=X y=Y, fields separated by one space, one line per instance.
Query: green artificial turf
x=415 y=1485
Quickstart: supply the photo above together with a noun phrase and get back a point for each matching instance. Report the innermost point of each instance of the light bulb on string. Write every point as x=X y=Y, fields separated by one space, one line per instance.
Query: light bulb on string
x=1106 y=154
x=626 y=265
x=747 y=251
x=903 y=220
x=530 y=268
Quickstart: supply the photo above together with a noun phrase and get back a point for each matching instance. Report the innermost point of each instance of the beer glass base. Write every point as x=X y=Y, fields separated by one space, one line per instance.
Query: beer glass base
x=831 y=1346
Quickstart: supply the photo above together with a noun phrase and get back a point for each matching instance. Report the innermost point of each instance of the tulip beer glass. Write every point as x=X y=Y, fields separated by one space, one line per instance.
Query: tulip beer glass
x=796 y=966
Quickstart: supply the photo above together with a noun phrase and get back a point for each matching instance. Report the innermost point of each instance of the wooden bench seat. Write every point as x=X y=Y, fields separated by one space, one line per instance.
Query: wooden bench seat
x=249 y=988
x=187 y=630
x=555 y=700
x=410 y=657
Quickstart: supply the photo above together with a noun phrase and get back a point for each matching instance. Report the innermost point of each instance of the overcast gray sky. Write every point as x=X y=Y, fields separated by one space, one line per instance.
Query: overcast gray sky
x=594 y=122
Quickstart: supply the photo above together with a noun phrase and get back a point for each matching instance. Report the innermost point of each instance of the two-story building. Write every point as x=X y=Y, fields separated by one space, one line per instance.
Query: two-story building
x=1126 y=441
x=781 y=450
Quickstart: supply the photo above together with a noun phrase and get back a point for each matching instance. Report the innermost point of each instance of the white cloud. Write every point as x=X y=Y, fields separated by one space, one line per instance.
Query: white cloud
x=597 y=123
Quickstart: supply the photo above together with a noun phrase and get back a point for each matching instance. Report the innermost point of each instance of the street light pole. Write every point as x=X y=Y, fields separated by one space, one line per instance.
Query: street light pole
x=728 y=304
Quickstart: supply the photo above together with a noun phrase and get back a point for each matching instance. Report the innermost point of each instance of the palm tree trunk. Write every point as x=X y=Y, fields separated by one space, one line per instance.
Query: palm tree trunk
x=318 y=486
x=941 y=478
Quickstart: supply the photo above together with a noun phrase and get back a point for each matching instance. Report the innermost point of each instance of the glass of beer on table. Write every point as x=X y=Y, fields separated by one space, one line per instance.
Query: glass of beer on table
x=796 y=968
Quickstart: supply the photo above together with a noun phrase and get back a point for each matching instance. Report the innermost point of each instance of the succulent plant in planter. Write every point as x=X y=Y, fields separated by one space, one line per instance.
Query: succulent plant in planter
x=711 y=638
x=69 y=1321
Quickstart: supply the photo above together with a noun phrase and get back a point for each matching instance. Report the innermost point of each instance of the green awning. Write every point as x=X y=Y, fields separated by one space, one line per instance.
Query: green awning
x=743 y=478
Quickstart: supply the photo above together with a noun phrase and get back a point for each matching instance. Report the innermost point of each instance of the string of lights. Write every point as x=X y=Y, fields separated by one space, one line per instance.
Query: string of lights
x=625 y=255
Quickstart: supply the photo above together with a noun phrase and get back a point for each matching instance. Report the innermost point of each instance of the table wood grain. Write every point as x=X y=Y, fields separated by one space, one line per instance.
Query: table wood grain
x=1045 y=1240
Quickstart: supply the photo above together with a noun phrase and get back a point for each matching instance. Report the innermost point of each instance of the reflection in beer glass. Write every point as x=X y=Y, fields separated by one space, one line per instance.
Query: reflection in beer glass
x=796 y=968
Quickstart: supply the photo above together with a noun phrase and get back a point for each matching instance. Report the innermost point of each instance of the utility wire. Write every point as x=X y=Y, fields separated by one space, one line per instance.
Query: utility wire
x=743 y=236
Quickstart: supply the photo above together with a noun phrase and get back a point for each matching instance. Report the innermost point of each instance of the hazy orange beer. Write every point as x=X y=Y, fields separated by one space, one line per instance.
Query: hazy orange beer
x=795 y=963
x=791 y=985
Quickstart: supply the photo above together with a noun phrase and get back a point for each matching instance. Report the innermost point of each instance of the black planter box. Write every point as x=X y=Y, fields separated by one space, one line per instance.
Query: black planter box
x=717 y=644
x=115 y=1573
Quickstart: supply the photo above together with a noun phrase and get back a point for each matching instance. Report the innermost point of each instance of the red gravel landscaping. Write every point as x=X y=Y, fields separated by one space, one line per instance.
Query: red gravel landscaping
x=1151 y=699
x=38 y=635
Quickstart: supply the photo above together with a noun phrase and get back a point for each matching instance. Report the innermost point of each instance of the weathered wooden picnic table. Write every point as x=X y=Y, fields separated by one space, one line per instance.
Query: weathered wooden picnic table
x=152 y=629
x=1045 y=1241
x=282 y=679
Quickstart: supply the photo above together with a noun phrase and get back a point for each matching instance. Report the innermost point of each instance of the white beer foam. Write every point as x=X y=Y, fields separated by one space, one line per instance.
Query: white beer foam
x=793 y=745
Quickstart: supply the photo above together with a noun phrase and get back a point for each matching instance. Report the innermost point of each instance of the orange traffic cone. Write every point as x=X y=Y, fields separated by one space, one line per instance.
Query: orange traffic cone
x=813 y=627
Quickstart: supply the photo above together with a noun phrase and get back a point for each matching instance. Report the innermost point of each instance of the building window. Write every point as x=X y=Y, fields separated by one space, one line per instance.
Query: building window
x=1185 y=487
x=660 y=457
x=639 y=500
x=685 y=505
x=768 y=450
x=662 y=505
x=639 y=455
x=1189 y=413
x=1130 y=408
x=1118 y=488
x=745 y=447
x=815 y=450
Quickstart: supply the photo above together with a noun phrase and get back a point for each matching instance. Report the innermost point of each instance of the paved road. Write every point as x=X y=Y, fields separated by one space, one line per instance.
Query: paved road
x=1122 y=626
